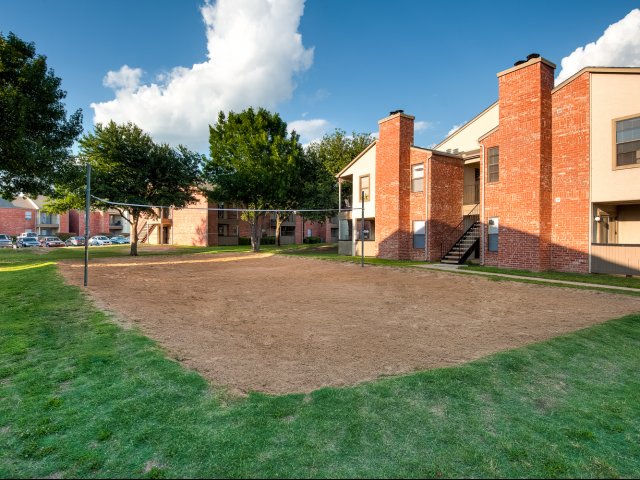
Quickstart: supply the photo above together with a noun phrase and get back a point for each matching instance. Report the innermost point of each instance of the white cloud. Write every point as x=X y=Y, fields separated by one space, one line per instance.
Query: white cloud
x=456 y=128
x=310 y=130
x=619 y=46
x=125 y=79
x=422 y=125
x=254 y=51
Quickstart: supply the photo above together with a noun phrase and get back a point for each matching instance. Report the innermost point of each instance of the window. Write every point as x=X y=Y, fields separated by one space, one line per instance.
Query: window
x=493 y=234
x=27 y=215
x=221 y=212
x=628 y=142
x=364 y=187
x=288 y=231
x=417 y=177
x=419 y=230
x=494 y=165
x=368 y=232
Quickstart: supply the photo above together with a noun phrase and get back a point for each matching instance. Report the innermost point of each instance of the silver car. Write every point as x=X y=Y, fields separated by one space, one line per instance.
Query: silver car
x=99 y=240
x=5 y=241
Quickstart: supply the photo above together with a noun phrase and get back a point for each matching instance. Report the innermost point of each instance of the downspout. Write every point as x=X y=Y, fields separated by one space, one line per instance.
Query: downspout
x=339 y=212
x=482 y=222
x=427 y=229
x=591 y=170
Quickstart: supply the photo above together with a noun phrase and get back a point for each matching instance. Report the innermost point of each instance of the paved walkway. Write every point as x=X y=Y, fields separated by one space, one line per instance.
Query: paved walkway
x=443 y=267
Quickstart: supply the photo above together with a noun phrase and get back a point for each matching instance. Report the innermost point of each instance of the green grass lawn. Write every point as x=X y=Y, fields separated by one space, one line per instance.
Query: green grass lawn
x=596 y=279
x=81 y=397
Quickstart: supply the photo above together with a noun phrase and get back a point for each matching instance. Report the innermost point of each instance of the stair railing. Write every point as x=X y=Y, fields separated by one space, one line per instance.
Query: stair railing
x=456 y=233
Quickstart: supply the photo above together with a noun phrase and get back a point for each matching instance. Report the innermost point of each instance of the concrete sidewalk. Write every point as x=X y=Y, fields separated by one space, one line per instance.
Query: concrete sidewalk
x=442 y=267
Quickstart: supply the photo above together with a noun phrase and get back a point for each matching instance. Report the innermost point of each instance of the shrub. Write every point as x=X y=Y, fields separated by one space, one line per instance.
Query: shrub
x=244 y=241
x=266 y=240
x=313 y=240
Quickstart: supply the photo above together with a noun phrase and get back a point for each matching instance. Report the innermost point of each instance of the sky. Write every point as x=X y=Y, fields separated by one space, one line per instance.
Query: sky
x=170 y=66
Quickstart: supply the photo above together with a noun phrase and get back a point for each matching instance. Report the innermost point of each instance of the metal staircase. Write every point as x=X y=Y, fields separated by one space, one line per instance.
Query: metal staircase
x=463 y=239
x=465 y=245
x=144 y=232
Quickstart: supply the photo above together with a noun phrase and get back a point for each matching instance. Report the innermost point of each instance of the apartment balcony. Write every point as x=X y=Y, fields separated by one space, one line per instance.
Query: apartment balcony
x=48 y=221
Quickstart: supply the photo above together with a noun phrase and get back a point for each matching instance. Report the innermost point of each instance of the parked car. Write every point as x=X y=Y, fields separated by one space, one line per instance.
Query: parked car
x=119 y=240
x=5 y=241
x=28 y=234
x=75 y=242
x=23 y=242
x=51 y=242
x=99 y=240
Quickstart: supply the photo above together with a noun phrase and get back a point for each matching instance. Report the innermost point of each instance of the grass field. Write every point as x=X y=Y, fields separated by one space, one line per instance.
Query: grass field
x=81 y=397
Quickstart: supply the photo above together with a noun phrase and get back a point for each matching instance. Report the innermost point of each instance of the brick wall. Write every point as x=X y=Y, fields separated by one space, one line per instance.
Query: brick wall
x=445 y=180
x=13 y=221
x=98 y=222
x=521 y=199
x=393 y=187
x=417 y=205
x=64 y=223
x=190 y=225
x=570 y=177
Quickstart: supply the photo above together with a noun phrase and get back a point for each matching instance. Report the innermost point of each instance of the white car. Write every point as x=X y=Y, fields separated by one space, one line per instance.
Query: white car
x=99 y=240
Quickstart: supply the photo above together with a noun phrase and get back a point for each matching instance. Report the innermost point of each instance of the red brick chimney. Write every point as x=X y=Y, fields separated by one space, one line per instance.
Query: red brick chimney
x=393 y=185
x=522 y=196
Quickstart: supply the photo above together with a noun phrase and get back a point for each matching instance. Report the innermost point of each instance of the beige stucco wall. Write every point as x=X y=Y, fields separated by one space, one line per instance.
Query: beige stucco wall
x=629 y=224
x=612 y=96
x=366 y=165
x=466 y=138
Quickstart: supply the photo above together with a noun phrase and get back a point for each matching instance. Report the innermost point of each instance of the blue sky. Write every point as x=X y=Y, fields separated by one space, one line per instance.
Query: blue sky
x=322 y=64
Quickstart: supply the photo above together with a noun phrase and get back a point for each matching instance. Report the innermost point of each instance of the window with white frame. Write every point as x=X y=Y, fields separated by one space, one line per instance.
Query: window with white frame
x=417 y=177
x=628 y=142
x=419 y=233
x=364 y=188
x=27 y=215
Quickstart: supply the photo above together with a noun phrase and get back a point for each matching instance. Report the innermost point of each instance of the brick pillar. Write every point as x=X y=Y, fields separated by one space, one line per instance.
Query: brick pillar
x=393 y=186
x=523 y=196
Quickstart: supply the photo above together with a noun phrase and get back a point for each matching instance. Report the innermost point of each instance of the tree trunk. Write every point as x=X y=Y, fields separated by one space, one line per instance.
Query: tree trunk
x=134 y=237
x=256 y=227
x=278 y=226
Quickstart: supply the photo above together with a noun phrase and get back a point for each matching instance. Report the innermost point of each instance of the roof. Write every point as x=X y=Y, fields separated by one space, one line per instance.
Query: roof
x=616 y=70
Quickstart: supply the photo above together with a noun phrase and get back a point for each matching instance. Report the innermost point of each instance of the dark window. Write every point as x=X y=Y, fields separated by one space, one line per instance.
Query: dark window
x=493 y=170
x=628 y=142
x=419 y=230
x=368 y=232
x=287 y=231
x=417 y=177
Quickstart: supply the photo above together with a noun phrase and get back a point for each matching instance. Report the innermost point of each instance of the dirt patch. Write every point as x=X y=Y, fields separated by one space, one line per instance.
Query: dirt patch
x=282 y=324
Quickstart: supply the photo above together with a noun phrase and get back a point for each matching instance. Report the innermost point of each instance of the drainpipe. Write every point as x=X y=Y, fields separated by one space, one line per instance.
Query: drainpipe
x=482 y=206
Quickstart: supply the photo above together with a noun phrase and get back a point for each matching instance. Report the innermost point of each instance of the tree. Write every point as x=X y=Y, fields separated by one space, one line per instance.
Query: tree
x=35 y=134
x=254 y=164
x=324 y=159
x=128 y=167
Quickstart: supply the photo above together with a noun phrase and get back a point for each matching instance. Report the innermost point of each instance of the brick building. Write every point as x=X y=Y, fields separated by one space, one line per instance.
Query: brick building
x=546 y=178
x=207 y=223
x=24 y=214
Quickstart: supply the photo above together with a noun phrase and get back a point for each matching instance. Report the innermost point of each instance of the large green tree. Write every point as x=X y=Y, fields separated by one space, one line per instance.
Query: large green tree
x=324 y=159
x=35 y=133
x=127 y=167
x=255 y=164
